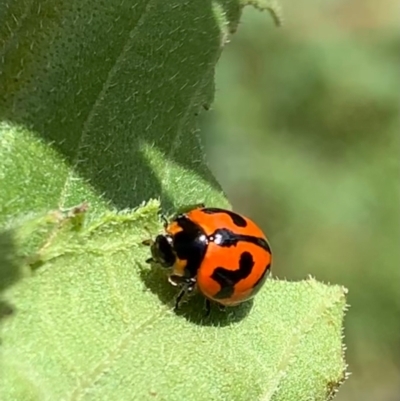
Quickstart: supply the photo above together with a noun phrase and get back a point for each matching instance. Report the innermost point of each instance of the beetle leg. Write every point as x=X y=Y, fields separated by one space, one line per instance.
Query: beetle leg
x=148 y=242
x=165 y=220
x=179 y=298
x=222 y=308
x=207 y=307
x=187 y=286
x=176 y=280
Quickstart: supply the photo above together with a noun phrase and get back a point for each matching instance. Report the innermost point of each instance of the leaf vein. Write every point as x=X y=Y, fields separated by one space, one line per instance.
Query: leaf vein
x=107 y=84
x=176 y=140
x=103 y=365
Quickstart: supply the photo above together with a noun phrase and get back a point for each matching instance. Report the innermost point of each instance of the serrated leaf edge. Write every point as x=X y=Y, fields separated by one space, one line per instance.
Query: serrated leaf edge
x=288 y=355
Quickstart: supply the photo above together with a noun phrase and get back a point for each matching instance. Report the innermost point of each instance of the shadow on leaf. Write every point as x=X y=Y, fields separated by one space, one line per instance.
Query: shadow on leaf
x=9 y=270
x=114 y=98
x=193 y=307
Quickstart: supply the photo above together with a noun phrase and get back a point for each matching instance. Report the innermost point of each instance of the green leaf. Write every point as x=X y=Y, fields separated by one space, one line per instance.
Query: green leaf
x=114 y=89
x=98 y=112
x=96 y=323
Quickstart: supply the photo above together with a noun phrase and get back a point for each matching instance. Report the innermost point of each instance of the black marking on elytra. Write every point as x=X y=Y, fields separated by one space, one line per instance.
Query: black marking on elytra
x=227 y=238
x=190 y=244
x=227 y=279
x=238 y=220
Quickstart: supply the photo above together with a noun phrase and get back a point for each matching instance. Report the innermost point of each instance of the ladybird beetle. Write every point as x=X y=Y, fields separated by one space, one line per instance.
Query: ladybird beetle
x=224 y=255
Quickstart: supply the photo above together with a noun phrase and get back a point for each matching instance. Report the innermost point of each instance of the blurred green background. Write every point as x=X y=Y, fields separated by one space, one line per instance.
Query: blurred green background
x=304 y=138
